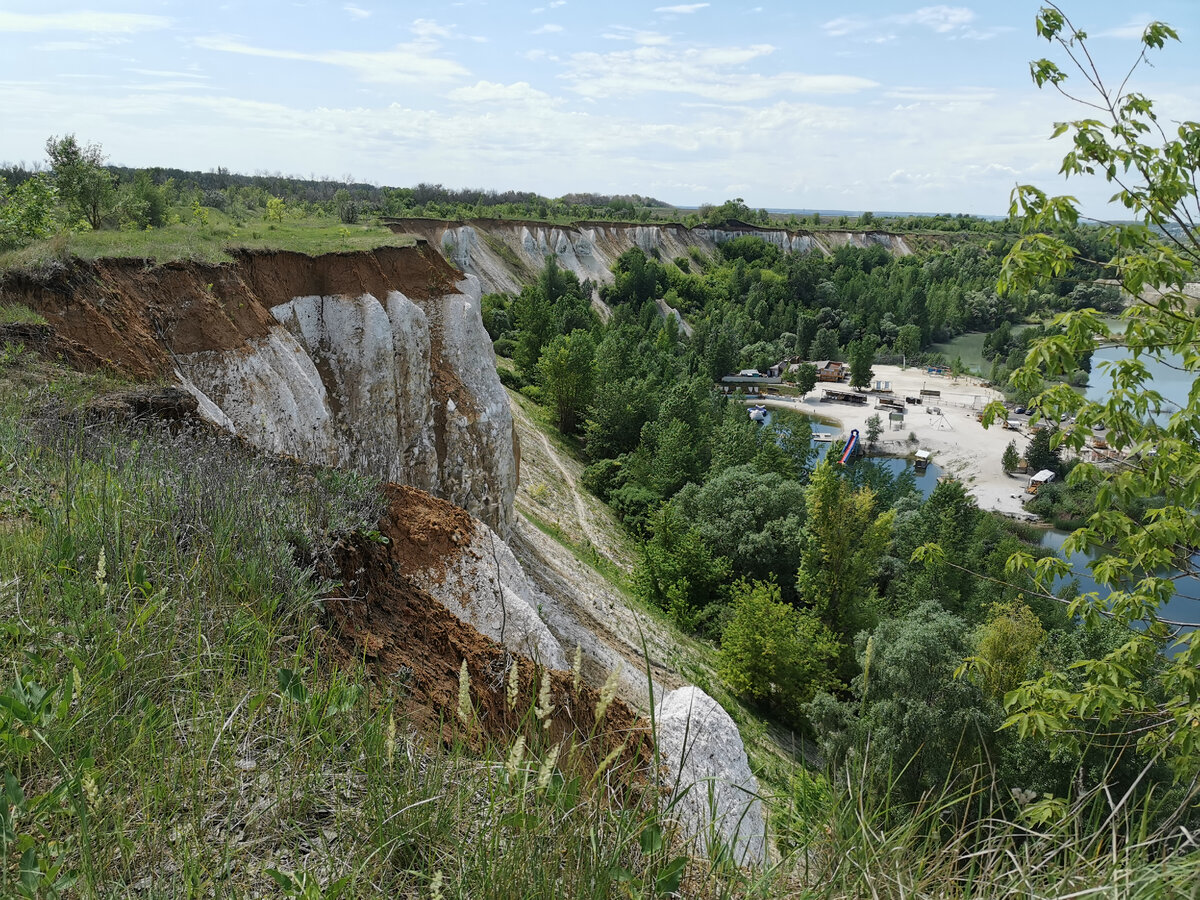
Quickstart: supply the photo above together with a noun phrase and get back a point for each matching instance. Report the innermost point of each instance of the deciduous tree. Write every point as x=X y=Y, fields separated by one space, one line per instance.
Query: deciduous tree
x=1154 y=169
x=84 y=185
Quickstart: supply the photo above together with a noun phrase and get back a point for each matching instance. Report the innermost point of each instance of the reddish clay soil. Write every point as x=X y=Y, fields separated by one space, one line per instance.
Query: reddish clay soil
x=127 y=316
x=408 y=640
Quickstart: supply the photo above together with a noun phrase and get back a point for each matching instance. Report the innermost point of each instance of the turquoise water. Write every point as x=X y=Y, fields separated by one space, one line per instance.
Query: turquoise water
x=1184 y=606
x=1173 y=385
x=925 y=480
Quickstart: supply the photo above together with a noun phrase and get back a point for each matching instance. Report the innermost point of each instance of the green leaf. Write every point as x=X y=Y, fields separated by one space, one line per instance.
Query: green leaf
x=651 y=839
x=291 y=686
x=671 y=876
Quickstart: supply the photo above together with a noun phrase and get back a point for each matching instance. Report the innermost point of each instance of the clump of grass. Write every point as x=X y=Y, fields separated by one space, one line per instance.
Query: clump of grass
x=17 y=314
x=187 y=241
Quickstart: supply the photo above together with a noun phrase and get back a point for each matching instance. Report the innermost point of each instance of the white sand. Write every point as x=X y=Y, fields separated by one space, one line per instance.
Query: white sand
x=958 y=443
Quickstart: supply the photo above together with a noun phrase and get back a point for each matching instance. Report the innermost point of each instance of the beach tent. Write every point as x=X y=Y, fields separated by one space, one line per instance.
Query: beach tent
x=1045 y=476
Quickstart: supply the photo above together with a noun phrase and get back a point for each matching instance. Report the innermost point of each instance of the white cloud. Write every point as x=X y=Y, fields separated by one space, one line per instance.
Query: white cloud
x=93 y=22
x=547 y=29
x=405 y=64
x=166 y=73
x=786 y=153
x=1131 y=30
x=637 y=36
x=682 y=9
x=714 y=73
x=555 y=4
x=939 y=19
x=518 y=93
x=69 y=46
x=427 y=29
x=357 y=12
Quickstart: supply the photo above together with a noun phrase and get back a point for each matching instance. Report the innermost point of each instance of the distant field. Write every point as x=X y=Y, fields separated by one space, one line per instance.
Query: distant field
x=209 y=243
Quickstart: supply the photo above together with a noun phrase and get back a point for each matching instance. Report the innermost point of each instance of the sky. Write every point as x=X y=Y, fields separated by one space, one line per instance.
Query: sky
x=855 y=105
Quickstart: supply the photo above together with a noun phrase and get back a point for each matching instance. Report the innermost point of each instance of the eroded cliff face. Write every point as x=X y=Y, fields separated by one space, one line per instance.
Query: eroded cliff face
x=375 y=361
x=505 y=254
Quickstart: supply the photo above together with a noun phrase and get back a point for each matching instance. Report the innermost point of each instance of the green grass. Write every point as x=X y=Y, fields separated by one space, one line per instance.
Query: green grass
x=208 y=243
x=16 y=314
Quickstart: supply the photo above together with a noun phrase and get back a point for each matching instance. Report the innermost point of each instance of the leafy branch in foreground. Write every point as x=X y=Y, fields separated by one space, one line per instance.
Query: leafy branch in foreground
x=1154 y=695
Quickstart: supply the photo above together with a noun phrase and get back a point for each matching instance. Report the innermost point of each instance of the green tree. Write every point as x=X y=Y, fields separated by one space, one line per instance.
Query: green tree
x=844 y=538
x=874 y=428
x=771 y=652
x=1006 y=648
x=26 y=212
x=911 y=721
x=1043 y=452
x=679 y=573
x=1011 y=459
x=754 y=520
x=862 y=358
x=908 y=341
x=806 y=377
x=533 y=316
x=86 y=188
x=825 y=344
x=346 y=206
x=566 y=370
x=275 y=209
x=1154 y=171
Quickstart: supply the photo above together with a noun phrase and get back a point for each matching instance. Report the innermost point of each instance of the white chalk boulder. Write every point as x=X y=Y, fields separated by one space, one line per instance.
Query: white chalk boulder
x=716 y=795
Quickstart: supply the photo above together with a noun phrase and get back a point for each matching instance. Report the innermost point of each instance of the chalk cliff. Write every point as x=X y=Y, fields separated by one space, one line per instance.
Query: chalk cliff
x=504 y=254
x=377 y=361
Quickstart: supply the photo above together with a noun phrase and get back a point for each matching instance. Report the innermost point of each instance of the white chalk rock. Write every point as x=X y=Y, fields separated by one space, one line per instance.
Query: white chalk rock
x=404 y=390
x=483 y=584
x=716 y=795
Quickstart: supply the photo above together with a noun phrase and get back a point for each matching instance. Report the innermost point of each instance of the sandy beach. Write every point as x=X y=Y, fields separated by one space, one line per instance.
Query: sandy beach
x=958 y=443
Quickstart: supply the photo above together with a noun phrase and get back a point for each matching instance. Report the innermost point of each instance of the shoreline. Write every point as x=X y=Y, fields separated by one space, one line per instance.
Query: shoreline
x=958 y=443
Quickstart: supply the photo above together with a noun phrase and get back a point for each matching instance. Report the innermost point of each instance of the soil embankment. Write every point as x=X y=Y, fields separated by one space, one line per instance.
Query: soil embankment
x=384 y=618
x=133 y=318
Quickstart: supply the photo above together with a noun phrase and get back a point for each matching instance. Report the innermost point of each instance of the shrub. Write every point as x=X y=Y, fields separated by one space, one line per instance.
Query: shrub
x=773 y=653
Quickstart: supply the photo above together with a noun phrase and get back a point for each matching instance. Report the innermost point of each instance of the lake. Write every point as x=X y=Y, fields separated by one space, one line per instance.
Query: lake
x=925 y=480
x=1183 y=607
x=1174 y=386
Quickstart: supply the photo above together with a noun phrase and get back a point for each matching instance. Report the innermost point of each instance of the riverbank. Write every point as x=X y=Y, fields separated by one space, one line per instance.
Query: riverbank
x=945 y=425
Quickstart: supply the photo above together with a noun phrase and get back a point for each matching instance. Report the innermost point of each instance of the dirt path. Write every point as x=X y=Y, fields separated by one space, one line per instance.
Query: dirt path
x=580 y=510
x=548 y=487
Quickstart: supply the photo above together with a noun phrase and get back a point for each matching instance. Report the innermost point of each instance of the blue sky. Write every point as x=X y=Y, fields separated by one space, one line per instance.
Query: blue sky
x=861 y=104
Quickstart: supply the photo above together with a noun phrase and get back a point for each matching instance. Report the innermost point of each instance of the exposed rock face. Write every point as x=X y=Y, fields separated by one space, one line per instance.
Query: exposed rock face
x=715 y=792
x=471 y=572
x=404 y=391
x=375 y=361
x=505 y=254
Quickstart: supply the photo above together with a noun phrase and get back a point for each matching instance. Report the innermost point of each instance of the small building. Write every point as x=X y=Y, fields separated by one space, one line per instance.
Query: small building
x=882 y=387
x=844 y=397
x=922 y=460
x=750 y=377
x=1045 y=476
x=831 y=370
